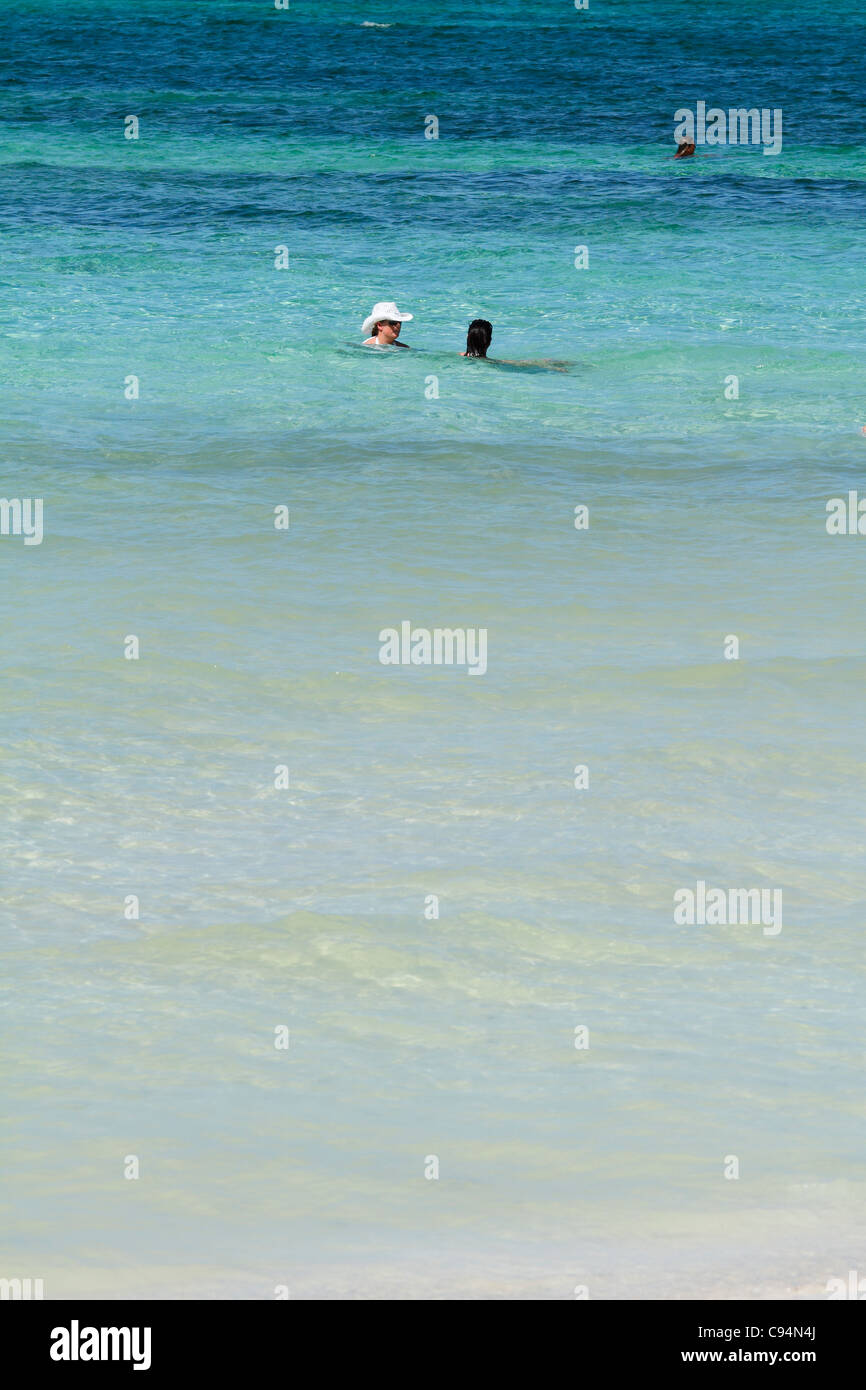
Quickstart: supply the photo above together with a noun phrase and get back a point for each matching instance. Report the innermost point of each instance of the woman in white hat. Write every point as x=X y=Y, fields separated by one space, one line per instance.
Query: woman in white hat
x=384 y=323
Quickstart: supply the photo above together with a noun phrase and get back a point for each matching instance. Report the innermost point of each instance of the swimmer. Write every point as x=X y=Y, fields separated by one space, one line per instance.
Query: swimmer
x=478 y=338
x=684 y=149
x=385 y=323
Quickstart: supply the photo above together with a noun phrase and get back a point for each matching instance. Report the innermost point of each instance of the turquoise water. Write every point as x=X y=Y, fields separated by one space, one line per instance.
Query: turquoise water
x=305 y=907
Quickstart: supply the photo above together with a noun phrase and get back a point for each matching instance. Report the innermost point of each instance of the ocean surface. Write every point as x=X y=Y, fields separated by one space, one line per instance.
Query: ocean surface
x=428 y=488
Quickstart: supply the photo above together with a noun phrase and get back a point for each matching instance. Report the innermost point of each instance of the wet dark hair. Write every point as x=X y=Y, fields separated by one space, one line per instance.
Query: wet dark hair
x=478 y=338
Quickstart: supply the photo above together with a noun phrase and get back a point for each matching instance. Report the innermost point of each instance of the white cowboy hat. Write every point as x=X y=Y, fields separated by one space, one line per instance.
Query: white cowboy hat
x=385 y=309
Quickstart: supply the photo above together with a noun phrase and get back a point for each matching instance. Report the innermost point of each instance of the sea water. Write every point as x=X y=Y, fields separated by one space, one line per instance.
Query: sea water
x=356 y=979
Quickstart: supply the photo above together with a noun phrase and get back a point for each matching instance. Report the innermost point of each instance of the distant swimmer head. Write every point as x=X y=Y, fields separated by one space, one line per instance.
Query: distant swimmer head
x=384 y=324
x=478 y=338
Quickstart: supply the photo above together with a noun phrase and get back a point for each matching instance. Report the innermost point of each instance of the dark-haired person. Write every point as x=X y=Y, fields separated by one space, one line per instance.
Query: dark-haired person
x=478 y=341
x=478 y=338
x=385 y=322
x=684 y=149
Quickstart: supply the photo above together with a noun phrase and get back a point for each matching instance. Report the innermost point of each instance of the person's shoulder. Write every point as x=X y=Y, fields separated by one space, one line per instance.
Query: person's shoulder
x=368 y=342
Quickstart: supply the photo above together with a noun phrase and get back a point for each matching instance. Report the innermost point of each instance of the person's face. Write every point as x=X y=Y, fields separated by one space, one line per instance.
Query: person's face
x=389 y=331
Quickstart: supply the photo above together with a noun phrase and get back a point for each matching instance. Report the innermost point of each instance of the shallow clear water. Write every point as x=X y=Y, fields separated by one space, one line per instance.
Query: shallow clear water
x=305 y=907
